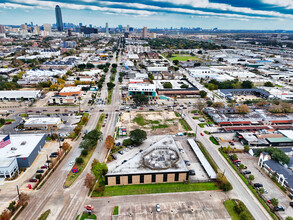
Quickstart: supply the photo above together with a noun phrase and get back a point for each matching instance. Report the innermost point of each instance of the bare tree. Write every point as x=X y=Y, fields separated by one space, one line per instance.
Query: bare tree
x=89 y=180
x=200 y=105
x=23 y=199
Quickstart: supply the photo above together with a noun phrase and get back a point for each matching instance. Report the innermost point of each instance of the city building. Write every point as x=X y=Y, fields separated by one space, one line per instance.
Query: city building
x=62 y=100
x=47 y=28
x=159 y=163
x=48 y=123
x=142 y=88
x=68 y=44
x=59 y=21
x=20 y=153
x=2 y=29
x=107 y=30
x=144 y=32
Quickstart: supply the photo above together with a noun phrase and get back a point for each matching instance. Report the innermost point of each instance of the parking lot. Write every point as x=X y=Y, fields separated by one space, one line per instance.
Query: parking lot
x=273 y=190
x=189 y=205
x=195 y=165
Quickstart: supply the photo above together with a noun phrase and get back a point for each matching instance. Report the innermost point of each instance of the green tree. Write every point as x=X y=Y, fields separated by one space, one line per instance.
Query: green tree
x=110 y=85
x=234 y=157
x=99 y=169
x=251 y=177
x=79 y=160
x=241 y=166
x=167 y=85
x=246 y=148
x=245 y=216
x=84 y=152
x=275 y=202
x=176 y=62
x=202 y=93
x=140 y=99
x=2 y=121
x=269 y=84
x=94 y=135
x=246 y=84
x=138 y=136
x=127 y=142
x=289 y=218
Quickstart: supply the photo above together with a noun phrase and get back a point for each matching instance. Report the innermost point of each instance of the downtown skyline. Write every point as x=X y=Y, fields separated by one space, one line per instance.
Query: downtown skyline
x=223 y=14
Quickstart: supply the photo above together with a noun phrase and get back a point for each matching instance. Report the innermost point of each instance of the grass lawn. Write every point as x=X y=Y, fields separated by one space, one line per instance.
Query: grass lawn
x=7 y=120
x=116 y=210
x=100 y=122
x=87 y=216
x=45 y=215
x=214 y=141
x=155 y=188
x=229 y=205
x=85 y=115
x=139 y=119
x=23 y=115
x=202 y=125
x=185 y=125
x=110 y=94
x=182 y=57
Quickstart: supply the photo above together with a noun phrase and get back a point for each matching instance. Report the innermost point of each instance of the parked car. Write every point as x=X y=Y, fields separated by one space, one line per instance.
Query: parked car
x=237 y=161
x=258 y=185
x=187 y=162
x=53 y=156
x=103 y=125
x=54 y=153
x=33 y=180
x=8 y=123
x=269 y=201
x=279 y=208
x=120 y=152
x=114 y=157
x=124 y=161
x=44 y=167
x=201 y=134
x=101 y=110
x=291 y=204
x=40 y=171
x=246 y=172
x=38 y=111
x=118 y=144
x=158 y=207
x=140 y=108
x=191 y=172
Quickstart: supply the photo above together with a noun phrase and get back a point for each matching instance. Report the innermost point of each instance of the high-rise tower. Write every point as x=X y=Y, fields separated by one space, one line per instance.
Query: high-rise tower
x=107 y=30
x=59 y=18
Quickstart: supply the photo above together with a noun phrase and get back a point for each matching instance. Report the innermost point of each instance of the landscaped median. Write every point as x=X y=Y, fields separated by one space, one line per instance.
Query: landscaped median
x=155 y=188
x=248 y=185
x=237 y=210
x=88 y=144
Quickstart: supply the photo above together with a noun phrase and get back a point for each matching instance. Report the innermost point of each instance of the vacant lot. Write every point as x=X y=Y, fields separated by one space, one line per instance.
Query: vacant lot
x=154 y=123
x=183 y=57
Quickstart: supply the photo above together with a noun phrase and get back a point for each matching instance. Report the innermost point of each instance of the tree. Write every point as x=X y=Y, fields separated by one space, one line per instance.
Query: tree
x=114 y=65
x=246 y=84
x=23 y=199
x=79 y=160
x=242 y=109
x=127 y=142
x=110 y=85
x=262 y=103
x=84 y=119
x=245 y=216
x=176 y=62
x=65 y=146
x=138 y=136
x=77 y=129
x=109 y=142
x=234 y=157
x=140 y=99
x=275 y=202
x=184 y=86
x=84 y=152
x=251 y=177
x=218 y=105
x=269 y=84
x=6 y=215
x=289 y=218
x=241 y=166
x=262 y=190
x=203 y=93
x=223 y=183
x=2 y=121
x=99 y=169
x=246 y=148
x=89 y=180
x=167 y=85
x=200 y=105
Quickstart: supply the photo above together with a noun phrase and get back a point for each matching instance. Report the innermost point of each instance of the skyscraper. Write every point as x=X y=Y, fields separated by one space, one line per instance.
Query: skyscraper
x=107 y=30
x=144 y=32
x=59 y=18
x=47 y=27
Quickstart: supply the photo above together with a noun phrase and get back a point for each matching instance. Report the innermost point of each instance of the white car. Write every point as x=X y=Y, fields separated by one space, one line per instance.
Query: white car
x=158 y=207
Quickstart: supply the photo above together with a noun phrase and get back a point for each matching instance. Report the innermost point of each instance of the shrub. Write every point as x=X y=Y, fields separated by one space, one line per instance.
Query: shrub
x=127 y=142
x=79 y=160
x=167 y=85
x=84 y=152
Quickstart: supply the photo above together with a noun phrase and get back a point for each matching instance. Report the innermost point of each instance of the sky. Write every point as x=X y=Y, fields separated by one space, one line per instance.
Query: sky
x=222 y=14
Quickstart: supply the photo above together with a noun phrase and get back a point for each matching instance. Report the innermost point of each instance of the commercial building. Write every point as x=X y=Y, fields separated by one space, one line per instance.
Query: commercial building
x=16 y=95
x=48 y=123
x=70 y=91
x=20 y=153
x=231 y=93
x=142 y=88
x=61 y=100
x=159 y=163
x=144 y=32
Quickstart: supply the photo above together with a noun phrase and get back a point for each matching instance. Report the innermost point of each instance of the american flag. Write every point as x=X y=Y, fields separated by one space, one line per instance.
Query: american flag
x=5 y=141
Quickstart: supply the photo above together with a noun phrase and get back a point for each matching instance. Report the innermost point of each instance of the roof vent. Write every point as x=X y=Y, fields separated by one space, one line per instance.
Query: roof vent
x=23 y=143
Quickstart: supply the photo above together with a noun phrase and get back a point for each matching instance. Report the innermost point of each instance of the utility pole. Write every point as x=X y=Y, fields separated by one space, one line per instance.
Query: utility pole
x=17 y=189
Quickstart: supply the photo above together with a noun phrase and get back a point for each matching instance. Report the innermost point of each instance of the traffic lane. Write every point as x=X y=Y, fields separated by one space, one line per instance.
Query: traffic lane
x=239 y=187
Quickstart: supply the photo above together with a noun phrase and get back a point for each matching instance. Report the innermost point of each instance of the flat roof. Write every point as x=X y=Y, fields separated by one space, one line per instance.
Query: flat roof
x=42 y=121
x=176 y=84
x=20 y=93
x=203 y=160
x=21 y=145
x=152 y=159
x=287 y=133
x=71 y=89
x=282 y=139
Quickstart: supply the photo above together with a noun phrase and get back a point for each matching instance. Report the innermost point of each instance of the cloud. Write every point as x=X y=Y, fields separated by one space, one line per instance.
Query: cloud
x=14 y=6
x=288 y=4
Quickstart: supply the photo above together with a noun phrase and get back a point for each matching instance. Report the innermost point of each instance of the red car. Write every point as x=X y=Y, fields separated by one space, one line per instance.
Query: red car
x=237 y=161
x=44 y=167
x=7 y=123
x=201 y=134
x=140 y=108
x=30 y=110
x=103 y=125
x=269 y=201
x=33 y=180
